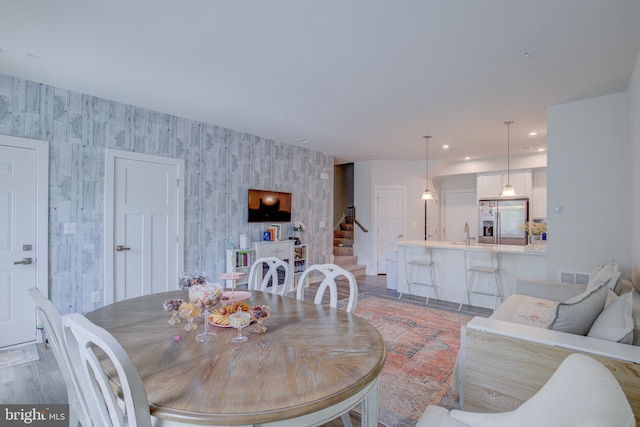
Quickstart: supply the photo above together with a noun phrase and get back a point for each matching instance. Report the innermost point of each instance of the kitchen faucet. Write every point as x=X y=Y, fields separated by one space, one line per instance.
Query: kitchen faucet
x=467 y=238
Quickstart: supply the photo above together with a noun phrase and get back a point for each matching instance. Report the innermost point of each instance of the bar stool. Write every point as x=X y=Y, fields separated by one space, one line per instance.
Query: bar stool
x=412 y=267
x=483 y=265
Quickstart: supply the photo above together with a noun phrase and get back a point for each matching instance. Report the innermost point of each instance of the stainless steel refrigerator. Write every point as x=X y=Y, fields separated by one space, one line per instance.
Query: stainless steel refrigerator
x=500 y=221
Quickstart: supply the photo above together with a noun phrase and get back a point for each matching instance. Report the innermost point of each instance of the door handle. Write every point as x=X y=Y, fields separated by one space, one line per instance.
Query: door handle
x=120 y=248
x=400 y=235
x=25 y=261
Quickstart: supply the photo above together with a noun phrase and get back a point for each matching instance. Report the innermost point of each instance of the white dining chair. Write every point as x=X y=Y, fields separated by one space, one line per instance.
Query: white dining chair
x=259 y=280
x=330 y=273
x=52 y=324
x=83 y=338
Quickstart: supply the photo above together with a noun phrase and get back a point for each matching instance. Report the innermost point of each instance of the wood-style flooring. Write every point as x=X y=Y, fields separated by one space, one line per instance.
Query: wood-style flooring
x=41 y=382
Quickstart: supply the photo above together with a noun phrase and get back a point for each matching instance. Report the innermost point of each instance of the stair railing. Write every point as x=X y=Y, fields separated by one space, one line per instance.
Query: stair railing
x=353 y=211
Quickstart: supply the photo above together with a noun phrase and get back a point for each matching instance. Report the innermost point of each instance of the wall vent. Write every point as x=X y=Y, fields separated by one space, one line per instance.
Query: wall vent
x=578 y=278
x=582 y=278
x=567 y=277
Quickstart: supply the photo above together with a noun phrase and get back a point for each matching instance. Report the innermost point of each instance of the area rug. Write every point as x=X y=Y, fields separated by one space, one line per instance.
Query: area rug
x=18 y=355
x=422 y=345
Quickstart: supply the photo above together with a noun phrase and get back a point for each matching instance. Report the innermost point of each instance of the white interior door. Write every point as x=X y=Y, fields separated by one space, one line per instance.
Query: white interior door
x=23 y=264
x=391 y=217
x=459 y=208
x=146 y=247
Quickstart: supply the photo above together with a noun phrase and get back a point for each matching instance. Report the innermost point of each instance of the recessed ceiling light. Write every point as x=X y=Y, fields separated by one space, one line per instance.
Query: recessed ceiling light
x=373 y=154
x=540 y=149
x=532 y=133
x=445 y=147
x=467 y=158
x=303 y=140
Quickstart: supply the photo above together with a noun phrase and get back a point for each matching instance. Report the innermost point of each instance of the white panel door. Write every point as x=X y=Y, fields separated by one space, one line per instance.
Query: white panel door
x=391 y=217
x=458 y=208
x=147 y=221
x=19 y=224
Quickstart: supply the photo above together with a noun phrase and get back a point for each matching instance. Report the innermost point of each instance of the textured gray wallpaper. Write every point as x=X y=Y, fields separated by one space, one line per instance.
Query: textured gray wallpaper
x=221 y=164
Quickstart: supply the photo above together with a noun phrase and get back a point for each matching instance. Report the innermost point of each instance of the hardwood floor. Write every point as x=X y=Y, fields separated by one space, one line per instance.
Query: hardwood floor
x=41 y=382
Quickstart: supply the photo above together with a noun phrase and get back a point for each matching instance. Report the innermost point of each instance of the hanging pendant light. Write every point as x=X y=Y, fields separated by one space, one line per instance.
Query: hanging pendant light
x=427 y=193
x=508 y=190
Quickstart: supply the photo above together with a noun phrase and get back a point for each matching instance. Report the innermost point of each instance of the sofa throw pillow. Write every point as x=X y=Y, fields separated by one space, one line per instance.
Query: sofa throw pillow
x=615 y=323
x=577 y=314
x=604 y=273
x=636 y=317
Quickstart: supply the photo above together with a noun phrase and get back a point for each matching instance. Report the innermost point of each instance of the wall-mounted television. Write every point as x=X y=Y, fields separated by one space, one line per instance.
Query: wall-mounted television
x=269 y=206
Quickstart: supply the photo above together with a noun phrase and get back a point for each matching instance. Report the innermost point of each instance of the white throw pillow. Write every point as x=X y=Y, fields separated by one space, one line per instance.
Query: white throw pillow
x=577 y=314
x=615 y=323
x=636 y=317
x=604 y=273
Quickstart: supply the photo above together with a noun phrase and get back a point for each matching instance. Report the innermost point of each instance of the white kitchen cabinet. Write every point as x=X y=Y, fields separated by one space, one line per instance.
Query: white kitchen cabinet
x=491 y=184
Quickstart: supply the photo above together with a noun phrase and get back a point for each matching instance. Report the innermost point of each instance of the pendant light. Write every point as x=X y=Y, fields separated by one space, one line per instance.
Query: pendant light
x=427 y=193
x=508 y=189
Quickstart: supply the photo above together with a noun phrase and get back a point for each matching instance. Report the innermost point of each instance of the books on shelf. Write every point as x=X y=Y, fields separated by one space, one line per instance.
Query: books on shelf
x=244 y=258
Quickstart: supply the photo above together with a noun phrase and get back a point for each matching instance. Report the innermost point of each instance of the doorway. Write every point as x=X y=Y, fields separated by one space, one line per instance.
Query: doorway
x=390 y=222
x=144 y=224
x=24 y=245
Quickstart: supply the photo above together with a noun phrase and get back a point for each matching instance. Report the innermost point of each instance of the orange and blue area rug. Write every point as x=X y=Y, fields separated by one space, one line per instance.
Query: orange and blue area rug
x=422 y=345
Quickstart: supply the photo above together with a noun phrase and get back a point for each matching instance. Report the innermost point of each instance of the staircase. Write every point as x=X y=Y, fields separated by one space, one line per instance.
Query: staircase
x=343 y=248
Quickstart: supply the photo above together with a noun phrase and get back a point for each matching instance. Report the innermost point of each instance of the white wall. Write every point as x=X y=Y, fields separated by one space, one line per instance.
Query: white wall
x=589 y=178
x=633 y=93
x=368 y=175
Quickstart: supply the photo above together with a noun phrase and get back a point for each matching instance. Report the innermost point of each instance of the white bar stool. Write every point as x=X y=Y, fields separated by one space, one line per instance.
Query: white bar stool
x=481 y=264
x=412 y=266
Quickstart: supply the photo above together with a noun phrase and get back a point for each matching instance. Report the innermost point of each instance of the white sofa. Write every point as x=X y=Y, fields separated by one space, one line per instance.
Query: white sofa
x=507 y=358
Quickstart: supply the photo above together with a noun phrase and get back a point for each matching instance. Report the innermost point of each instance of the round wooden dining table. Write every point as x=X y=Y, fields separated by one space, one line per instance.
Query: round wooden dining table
x=313 y=364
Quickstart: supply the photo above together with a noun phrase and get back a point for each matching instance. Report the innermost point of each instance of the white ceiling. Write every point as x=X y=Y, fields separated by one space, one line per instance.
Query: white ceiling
x=359 y=79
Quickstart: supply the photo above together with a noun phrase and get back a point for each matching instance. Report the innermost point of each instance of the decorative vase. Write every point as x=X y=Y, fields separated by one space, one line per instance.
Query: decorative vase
x=534 y=241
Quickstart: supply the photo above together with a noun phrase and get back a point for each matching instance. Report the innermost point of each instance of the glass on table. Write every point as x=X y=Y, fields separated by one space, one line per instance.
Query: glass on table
x=239 y=320
x=172 y=306
x=260 y=313
x=205 y=296
x=189 y=311
x=186 y=280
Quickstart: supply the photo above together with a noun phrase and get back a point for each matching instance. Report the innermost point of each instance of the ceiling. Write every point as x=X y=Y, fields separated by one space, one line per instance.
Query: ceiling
x=360 y=80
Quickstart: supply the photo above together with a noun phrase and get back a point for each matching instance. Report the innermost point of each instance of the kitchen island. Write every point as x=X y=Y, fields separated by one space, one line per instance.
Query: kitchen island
x=450 y=261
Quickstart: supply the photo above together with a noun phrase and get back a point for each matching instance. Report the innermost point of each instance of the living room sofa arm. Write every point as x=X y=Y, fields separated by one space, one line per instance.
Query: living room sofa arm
x=547 y=289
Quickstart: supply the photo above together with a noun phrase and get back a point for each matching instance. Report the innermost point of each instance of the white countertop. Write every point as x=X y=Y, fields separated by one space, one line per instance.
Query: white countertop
x=506 y=249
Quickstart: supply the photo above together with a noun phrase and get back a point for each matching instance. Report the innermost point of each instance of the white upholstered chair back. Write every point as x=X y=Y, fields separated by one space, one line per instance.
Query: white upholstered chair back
x=52 y=323
x=131 y=409
x=581 y=392
x=256 y=273
x=331 y=272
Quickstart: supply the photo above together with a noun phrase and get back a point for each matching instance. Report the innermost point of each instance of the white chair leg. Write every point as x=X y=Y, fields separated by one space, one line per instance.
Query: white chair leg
x=408 y=282
x=346 y=420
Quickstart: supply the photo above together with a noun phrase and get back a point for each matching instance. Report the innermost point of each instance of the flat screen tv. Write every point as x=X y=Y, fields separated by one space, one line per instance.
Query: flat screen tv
x=269 y=206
